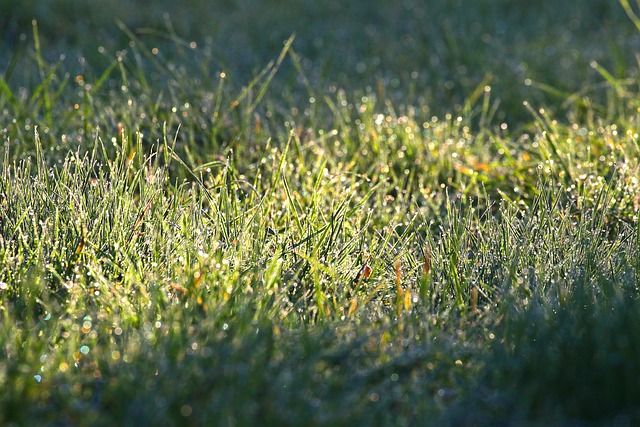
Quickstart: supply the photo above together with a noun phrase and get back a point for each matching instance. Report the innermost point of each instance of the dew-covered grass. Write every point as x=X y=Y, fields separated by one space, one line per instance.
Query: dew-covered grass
x=319 y=214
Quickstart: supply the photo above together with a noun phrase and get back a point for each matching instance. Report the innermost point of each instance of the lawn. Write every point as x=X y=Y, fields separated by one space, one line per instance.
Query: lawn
x=249 y=213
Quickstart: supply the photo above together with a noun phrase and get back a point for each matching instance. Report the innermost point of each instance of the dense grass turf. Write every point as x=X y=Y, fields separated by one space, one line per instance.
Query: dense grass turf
x=404 y=214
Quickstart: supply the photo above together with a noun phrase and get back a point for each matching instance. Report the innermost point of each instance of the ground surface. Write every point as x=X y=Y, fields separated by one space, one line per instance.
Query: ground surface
x=320 y=213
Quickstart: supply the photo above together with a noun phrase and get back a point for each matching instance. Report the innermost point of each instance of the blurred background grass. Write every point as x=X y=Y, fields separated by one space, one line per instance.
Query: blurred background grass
x=428 y=52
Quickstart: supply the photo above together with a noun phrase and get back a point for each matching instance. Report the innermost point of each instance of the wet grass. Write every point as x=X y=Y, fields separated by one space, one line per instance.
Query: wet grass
x=361 y=224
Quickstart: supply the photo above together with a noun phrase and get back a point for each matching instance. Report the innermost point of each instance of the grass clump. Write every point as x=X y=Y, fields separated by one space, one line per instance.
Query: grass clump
x=187 y=243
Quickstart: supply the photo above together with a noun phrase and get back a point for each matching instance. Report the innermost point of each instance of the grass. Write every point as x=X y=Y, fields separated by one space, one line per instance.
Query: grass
x=365 y=225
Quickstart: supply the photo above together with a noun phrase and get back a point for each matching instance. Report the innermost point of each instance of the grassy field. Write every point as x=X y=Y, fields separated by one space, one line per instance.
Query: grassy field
x=320 y=213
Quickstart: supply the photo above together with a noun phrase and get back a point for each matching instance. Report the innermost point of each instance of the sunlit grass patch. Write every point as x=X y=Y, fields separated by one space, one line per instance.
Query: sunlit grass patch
x=188 y=239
